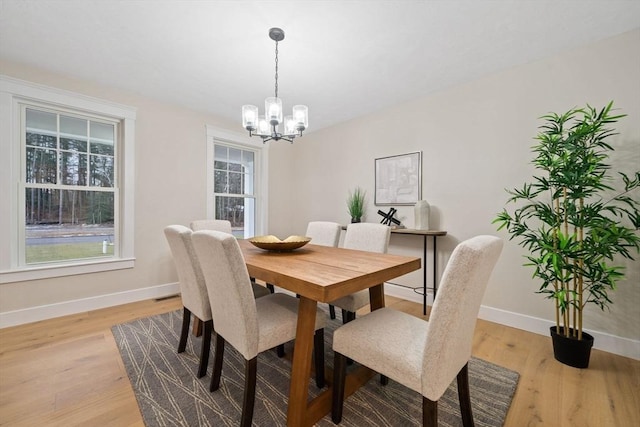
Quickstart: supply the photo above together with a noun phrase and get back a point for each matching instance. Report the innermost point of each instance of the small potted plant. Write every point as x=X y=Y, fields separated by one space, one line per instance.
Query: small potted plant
x=355 y=204
x=574 y=222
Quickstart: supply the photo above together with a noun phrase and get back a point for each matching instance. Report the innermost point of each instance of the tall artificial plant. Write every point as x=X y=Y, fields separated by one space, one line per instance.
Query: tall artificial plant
x=355 y=203
x=571 y=218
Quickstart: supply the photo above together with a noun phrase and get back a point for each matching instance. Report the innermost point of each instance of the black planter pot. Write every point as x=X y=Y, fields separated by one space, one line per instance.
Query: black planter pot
x=355 y=220
x=571 y=351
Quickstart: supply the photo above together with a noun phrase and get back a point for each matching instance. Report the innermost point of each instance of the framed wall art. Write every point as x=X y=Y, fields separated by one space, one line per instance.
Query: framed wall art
x=398 y=179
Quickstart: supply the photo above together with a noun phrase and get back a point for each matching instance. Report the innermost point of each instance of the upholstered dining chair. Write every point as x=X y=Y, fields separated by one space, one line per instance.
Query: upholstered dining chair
x=193 y=291
x=325 y=233
x=363 y=236
x=195 y=299
x=424 y=356
x=250 y=325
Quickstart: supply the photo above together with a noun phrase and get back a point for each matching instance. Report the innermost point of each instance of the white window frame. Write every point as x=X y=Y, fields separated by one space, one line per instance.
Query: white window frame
x=14 y=93
x=242 y=142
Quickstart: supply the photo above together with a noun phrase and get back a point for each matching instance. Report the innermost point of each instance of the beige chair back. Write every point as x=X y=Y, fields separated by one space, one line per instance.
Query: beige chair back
x=324 y=233
x=367 y=236
x=455 y=310
x=212 y=224
x=192 y=285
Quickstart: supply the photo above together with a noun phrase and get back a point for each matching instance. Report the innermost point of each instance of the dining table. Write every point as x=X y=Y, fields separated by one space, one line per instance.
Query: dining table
x=322 y=274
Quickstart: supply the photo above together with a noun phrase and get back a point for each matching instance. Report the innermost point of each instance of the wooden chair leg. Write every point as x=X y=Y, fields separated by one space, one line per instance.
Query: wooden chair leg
x=184 y=333
x=464 y=396
x=318 y=356
x=332 y=312
x=250 y=374
x=429 y=412
x=337 y=398
x=206 y=346
x=217 y=363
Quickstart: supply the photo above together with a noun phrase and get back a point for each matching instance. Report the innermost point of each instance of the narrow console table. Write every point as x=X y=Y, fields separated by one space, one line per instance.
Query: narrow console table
x=425 y=234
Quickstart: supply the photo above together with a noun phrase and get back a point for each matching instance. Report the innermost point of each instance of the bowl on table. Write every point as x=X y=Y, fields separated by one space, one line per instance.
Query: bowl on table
x=272 y=243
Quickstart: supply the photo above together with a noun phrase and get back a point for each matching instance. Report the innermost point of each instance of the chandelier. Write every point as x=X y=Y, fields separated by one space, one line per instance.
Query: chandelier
x=267 y=126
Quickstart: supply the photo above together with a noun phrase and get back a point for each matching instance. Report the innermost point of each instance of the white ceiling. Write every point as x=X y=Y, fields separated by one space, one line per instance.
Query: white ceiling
x=341 y=58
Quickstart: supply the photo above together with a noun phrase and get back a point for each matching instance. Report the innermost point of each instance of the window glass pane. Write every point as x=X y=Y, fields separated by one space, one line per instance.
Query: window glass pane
x=41 y=121
x=102 y=131
x=220 y=157
x=101 y=148
x=235 y=160
x=73 y=144
x=73 y=168
x=102 y=171
x=235 y=183
x=247 y=161
x=68 y=224
x=71 y=126
x=41 y=166
x=41 y=140
x=231 y=209
x=220 y=181
x=102 y=138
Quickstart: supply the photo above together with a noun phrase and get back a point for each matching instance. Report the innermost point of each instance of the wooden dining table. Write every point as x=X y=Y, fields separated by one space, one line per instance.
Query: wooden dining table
x=322 y=274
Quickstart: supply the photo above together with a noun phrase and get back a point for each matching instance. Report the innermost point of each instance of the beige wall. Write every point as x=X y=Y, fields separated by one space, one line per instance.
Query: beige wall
x=170 y=189
x=476 y=141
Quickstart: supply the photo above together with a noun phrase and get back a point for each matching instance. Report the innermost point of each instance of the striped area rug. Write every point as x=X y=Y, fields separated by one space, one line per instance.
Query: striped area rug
x=170 y=394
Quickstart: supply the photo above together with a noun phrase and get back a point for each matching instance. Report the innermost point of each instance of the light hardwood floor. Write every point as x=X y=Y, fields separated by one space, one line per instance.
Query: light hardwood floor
x=68 y=372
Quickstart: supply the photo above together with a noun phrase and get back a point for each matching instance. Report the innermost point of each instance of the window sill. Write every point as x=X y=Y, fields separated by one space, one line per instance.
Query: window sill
x=50 y=271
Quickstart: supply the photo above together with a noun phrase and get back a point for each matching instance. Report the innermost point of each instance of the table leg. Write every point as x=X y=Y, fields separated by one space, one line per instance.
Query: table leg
x=197 y=327
x=376 y=296
x=435 y=286
x=301 y=366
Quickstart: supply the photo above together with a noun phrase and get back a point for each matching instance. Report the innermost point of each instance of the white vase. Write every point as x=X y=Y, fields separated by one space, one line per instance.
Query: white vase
x=421 y=211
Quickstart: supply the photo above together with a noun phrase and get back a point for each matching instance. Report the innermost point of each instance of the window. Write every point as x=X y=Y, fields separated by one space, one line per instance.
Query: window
x=233 y=181
x=69 y=187
x=71 y=156
x=237 y=179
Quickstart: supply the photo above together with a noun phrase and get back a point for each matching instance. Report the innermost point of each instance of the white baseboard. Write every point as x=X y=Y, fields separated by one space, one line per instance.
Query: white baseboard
x=43 y=312
x=606 y=342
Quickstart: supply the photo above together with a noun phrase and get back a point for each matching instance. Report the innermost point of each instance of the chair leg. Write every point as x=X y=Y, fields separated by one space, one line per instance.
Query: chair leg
x=429 y=412
x=337 y=398
x=186 y=320
x=318 y=356
x=332 y=312
x=250 y=374
x=384 y=380
x=464 y=396
x=271 y=288
x=217 y=363
x=280 y=350
x=347 y=316
x=206 y=346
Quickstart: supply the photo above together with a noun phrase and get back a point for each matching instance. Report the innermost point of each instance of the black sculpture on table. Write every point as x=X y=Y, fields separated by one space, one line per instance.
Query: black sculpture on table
x=387 y=217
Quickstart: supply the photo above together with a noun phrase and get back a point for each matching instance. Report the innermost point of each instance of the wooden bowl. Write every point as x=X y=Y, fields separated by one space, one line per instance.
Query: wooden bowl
x=272 y=243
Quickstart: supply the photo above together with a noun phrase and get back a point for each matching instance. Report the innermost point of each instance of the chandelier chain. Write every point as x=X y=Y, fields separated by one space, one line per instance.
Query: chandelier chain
x=276 y=68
